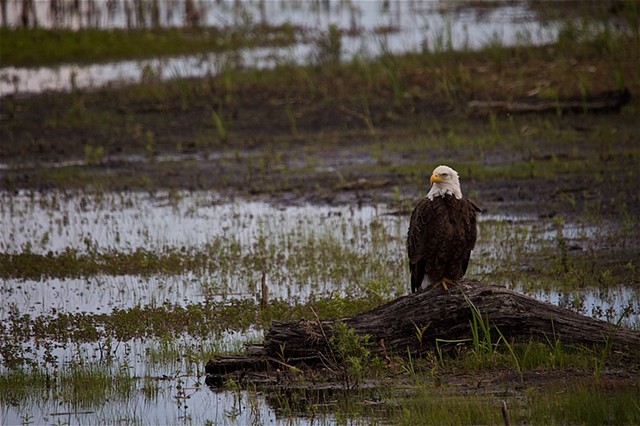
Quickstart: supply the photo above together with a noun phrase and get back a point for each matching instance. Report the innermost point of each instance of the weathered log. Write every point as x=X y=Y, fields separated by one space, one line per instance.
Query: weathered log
x=610 y=101
x=442 y=315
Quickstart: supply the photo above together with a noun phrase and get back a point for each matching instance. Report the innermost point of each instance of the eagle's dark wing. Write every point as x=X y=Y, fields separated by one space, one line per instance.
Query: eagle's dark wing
x=471 y=230
x=416 y=242
x=420 y=242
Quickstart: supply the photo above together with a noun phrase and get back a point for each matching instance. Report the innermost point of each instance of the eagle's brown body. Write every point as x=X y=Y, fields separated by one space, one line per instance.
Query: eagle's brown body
x=442 y=233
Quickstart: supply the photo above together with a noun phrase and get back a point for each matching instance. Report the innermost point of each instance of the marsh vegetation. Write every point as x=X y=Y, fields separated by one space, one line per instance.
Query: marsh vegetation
x=139 y=222
x=135 y=297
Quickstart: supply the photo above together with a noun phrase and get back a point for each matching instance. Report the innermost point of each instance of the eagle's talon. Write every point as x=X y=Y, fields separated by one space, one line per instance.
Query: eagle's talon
x=444 y=283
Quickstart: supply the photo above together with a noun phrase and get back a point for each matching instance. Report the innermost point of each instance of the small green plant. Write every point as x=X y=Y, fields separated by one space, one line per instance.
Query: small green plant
x=442 y=343
x=493 y=122
x=605 y=352
x=480 y=330
x=514 y=357
x=562 y=262
x=328 y=47
x=291 y=116
x=149 y=145
x=558 y=356
x=410 y=368
x=395 y=83
x=352 y=351
x=220 y=126
x=94 y=155
x=447 y=88
x=420 y=330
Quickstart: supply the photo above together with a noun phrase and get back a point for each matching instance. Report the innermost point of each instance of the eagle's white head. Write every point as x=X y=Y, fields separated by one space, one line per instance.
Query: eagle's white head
x=444 y=180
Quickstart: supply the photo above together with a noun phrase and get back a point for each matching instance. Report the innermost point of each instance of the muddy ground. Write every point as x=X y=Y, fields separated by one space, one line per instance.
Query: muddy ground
x=295 y=149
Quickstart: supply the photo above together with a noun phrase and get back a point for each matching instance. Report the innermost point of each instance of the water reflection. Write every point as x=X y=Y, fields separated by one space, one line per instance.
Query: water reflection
x=370 y=28
x=126 y=221
x=352 y=15
x=67 y=77
x=296 y=242
x=616 y=305
x=203 y=406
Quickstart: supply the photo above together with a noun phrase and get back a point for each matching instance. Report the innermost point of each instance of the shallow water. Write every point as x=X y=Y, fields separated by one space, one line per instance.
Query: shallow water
x=164 y=407
x=124 y=222
x=372 y=27
x=350 y=14
x=168 y=222
x=607 y=304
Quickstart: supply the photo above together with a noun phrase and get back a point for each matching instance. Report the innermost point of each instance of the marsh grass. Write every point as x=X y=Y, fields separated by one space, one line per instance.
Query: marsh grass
x=581 y=403
x=182 y=361
x=584 y=403
x=361 y=258
x=37 y=47
x=551 y=254
x=431 y=406
x=289 y=257
x=74 y=386
x=355 y=267
x=166 y=323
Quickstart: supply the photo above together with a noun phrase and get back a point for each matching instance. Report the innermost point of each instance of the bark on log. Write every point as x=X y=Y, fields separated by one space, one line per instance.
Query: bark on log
x=610 y=101
x=446 y=316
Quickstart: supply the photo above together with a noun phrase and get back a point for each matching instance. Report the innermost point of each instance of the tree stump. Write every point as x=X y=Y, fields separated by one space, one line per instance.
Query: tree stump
x=443 y=316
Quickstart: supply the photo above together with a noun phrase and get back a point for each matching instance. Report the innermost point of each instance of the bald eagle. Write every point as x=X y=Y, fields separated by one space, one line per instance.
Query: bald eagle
x=442 y=232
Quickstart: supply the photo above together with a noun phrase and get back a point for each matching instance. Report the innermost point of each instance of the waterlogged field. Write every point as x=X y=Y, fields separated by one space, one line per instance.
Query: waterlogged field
x=113 y=302
x=149 y=227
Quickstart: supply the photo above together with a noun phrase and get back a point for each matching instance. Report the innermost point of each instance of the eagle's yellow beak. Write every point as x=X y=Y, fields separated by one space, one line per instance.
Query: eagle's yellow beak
x=435 y=178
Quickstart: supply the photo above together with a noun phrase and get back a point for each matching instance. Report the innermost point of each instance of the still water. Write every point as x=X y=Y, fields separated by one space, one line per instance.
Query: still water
x=369 y=27
x=166 y=222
